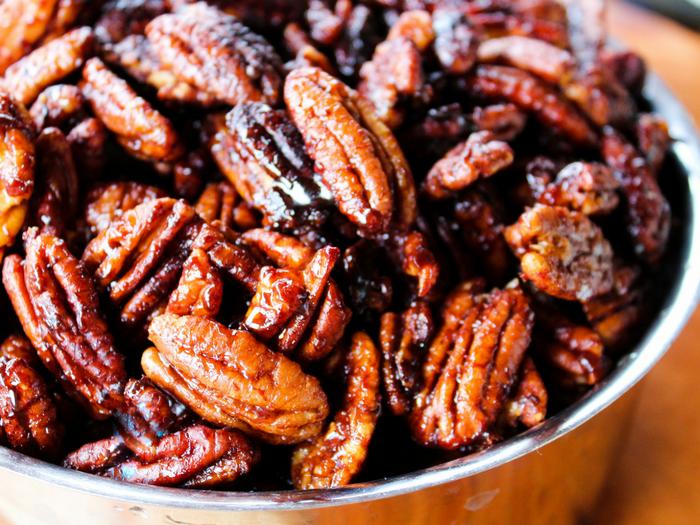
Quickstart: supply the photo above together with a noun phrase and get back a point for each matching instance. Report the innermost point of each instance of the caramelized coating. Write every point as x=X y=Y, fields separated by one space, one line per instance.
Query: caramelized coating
x=404 y=339
x=527 y=405
x=213 y=51
x=365 y=169
x=121 y=18
x=477 y=157
x=57 y=106
x=471 y=367
x=456 y=43
x=416 y=26
x=200 y=289
x=504 y=121
x=88 y=140
x=417 y=260
x=57 y=305
x=300 y=45
x=28 y=416
x=648 y=213
x=334 y=457
x=22 y=24
x=230 y=379
x=97 y=456
x=48 y=64
x=562 y=253
x=221 y=202
x=654 y=140
x=139 y=128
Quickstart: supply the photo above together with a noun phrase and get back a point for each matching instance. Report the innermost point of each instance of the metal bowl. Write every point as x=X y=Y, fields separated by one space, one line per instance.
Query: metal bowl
x=550 y=474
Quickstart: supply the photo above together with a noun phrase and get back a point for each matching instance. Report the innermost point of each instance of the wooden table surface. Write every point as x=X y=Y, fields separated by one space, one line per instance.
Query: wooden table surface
x=657 y=480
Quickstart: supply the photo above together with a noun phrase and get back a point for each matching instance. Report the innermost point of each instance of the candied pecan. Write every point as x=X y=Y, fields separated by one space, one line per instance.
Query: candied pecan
x=59 y=311
x=88 y=140
x=69 y=14
x=263 y=155
x=220 y=202
x=46 y=65
x=229 y=378
x=562 y=252
x=362 y=31
x=471 y=366
x=479 y=156
x=404 y=338
x=531 y=94
x=326 y=26
x=98 y=456
x=527 y=406
x=200 y=289
x=504 y=121
x=17 y=158
x=333 y=458
x=121 y=18
x=305 y=53
x=216 y=53
x=28 y=415
x=139 y=128
x=416 y=26
x=588 y=187
x=648 y=214
x=498 y=24
x=57 y=105
x=455 y=43
x=357 y=156
x=417 y=260
x=654 y=140
x=22 y=24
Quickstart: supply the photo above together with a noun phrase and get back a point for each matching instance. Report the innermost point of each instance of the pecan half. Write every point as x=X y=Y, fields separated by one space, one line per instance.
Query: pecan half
x=230 y=379
x=504 y=121
x=22 y=24
x=416 y=26
x=562 y=252
x=88 y=140
x=221 y=202
x=357 y=156
x=333 y=458
x=471 y=367
x=200 y=289
x=58 y=105
x=57 y=305
x=216 y=53
x=456 y=42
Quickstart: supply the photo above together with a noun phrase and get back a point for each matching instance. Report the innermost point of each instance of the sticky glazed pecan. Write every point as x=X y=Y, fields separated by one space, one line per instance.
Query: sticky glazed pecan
x=228 y=378
x=221 y=202
x=562 y=252
x=365 y=170
x=28 y=416
x=527 y=406
x=333 y=458
x=22 y=24
x=456 y=42
x=504 y=121
x=57 y=305
x=471 y=366
x=216 y=53
x=58 y=106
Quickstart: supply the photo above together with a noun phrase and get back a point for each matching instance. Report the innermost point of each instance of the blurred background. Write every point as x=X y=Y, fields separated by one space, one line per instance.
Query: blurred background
x=685 y=11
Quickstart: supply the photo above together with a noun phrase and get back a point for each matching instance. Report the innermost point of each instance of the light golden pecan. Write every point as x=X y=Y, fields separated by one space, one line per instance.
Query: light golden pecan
x=57 y=304
x=58 y=106
x=228 y=378
x=527 y=405
x=221 y=202
x=22 y=24
x=138 y=127
x=357 y=156
x=333 y=458
x=471 y=367
x=562 y=252
x=48 y=64
x=213 y=51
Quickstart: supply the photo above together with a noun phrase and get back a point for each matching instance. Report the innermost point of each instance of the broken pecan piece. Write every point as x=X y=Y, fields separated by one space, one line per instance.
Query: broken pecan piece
x=527 y=406
x=221 y=202
x=230 y=379
x=562 y=252
x=333 y=458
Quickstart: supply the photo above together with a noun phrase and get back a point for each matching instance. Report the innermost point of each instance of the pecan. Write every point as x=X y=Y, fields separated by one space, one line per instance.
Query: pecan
x=455 y=43
x=369 y=288
x=627 y=67
x=121 y=18
x=69 y=14
x=562 y=253
x=220 y=202
x=362 y=31
x=326 y=26
x=504 y=121
x=479 y=156
x=28 y=415
x=499 y=24
x=88 y=140
x=531 y=94
x=527 y=406
x=57 y=105
x=471 y=366
x=588 y=187
x=22 y=24
x=416 y=26
x=411 y=250
x=305 y=53
x=648 y=214
x=404 y=339
x=357 y=156
x=17 y=158
x=333 y=458
x=654 y=140
x=200 y=289
x=230 y=379
x=263 y=155
x=58 y=308
x=217 y=54
x=98 y=456
x=139 y=128
x=48 y=64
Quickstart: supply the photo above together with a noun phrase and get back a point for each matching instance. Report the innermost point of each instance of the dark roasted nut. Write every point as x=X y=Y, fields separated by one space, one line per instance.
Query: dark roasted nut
x=213 y=51
x=627 y=67
x=365 y=170
x=471 y=366
x=562 y=252
x=478 y=157
x=654 y=140
x=52 y=62
x=17 y=159
x=230 y=379
x=369 y=288
x=59 y=311
x=57 y=105
x=504 y=121
x=588 y=187
x=647 y=212
x=527 y=405
x=263 y=155
x=362 y=31
x=98 y=456
x=455 y=43
x=404 y=339
x=88 y=140
x=22 y=24
x=121 y=18
x=221 y=202
x=139 y=128
x=531 y=94
x=333 y=458
x=28 y=415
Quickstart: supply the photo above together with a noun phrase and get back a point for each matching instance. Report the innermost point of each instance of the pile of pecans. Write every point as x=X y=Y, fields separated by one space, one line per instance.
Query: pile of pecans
x=251 y=243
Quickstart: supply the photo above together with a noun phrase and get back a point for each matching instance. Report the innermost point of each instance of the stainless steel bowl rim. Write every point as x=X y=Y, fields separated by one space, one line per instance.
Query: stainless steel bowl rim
x=663 y=331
